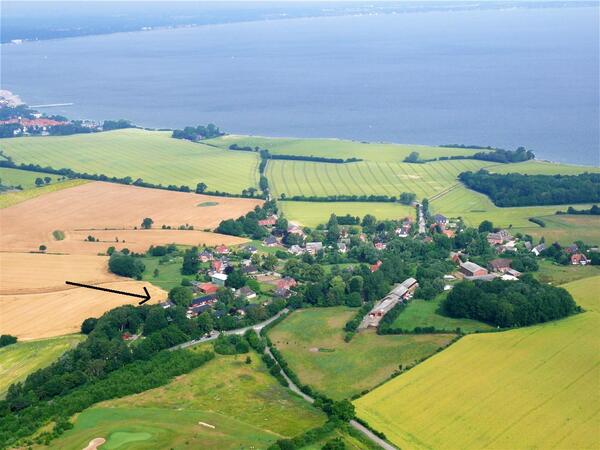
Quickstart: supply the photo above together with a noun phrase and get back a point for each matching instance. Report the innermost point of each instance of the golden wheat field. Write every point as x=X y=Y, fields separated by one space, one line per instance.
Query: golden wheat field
x=535 y=387
x=111 y=211
x=36 y=303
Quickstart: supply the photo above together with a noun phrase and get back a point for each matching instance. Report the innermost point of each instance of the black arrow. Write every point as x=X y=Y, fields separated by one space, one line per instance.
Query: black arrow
x=146 y=296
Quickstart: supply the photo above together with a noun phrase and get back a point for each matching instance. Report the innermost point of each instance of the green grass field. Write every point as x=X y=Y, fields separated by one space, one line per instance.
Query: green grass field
x=12 y=198
x=423 y=313
x=474 y=207
x=312 y=342
x=365 y=177
x=20 y=359
x=543 y=168
x=565 y=229
x=169 y=274
x=23 y=178
x=312 y=214
x=550 y=272
x=151 y=155
x=244 y=403
x=535 y=387
x=338 y=148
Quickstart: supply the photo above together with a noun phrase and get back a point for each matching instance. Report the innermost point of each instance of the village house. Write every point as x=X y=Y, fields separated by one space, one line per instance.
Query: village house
x=268 y=222
x=448 y=233
x=270 y=241
x=440 y=220
x=287 y=283
x=249 y=269
x=579 y=259
x=205 y=256
x=295 y=229
x=375 y=267
x=470 y=269
x=380 y=246
x=314 y=247
x=218 y=278
x=296 y=250
x=245 y=292
x=571 y=249
x=250 y=249
x=205 y=288
x=283 y=292
x=342 y=247
x=499 y=238
x=499 y=265
x=201 y=304
x=538 y=249
x=218 y=266
x=528 y=246
x=222 y=250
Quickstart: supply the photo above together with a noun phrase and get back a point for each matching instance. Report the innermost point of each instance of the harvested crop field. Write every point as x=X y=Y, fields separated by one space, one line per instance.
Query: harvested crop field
x=33 y=316
x=94 y=208
x=36 y=303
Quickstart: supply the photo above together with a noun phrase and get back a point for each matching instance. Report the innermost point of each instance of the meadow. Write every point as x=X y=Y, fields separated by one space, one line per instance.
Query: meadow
x=23 y=178
x=247 y=408
x=424 y=313
x=311 y=214
x=20 y=359
x=534 y=387
x=551 y=272
x=169 y=273
x=565 y=229
x=312 y=342
x=536 y=167
x=151 y=155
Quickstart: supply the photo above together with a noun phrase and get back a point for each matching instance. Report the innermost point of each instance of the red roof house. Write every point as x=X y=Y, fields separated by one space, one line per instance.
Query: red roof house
x=375 y=267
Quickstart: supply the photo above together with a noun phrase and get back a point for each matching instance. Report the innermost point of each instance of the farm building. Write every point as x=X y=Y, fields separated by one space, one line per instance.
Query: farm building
x=314 y=247
x=205 y=288
x=287 y=283
x=440 y=220
x=538 y=249
x=400 y=292
x=219 y=278
x=270 y=241
x=296 y=250
x=268 y=222
x=499 y=265
x=471 y=269
x=499 y=237
x=283 y=292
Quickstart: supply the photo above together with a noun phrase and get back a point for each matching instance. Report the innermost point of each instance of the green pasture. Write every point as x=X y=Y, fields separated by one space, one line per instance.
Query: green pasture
x=246 y=406
x=23 y=178
x=151 y=155
x=312 y=342
x=365 y=177
x=20 y=359
x=312 y=214
x=338 y=148
x=424 y=313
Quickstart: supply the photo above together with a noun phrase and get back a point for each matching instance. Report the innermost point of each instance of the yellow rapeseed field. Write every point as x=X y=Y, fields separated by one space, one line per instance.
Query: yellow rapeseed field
x=536 y=387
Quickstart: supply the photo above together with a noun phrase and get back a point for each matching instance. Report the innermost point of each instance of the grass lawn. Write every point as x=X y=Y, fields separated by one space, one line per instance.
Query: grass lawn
x=151 y=155
x=23 y=178
x=246 y=406
x=312 y=342
x=551 y=272
x=312 y=214
x=423 y=313
x=12 y=198
x=535 y=387
x=20 y=359
x=169 y=274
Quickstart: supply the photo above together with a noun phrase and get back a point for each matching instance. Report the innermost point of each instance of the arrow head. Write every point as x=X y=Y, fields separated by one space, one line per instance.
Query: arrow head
x=145 y=298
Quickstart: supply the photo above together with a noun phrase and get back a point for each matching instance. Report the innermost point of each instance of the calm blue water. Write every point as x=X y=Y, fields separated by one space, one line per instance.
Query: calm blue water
x=502 y=77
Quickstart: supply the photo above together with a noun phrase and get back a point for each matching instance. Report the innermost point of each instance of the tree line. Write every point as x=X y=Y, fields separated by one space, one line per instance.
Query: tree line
x=266 y=154
x=496 y=155
x=593 y=211
x=198 y=133
x=515 y=189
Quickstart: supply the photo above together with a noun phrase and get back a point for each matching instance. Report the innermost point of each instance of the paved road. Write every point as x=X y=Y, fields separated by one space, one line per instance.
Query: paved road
x=215 y=334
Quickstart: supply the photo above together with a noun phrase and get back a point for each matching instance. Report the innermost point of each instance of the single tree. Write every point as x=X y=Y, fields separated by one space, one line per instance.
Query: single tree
x=147 y=223
x=39 y=181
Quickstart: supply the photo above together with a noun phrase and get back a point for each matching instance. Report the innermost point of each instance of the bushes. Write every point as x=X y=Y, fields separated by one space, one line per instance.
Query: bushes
x=231 y=345
x=537 y=221
x=126 y=265
x=342 y=198
x=7 y=339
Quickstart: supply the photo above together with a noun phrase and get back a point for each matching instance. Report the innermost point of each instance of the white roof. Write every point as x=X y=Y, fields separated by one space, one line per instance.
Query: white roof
x=219 y=276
